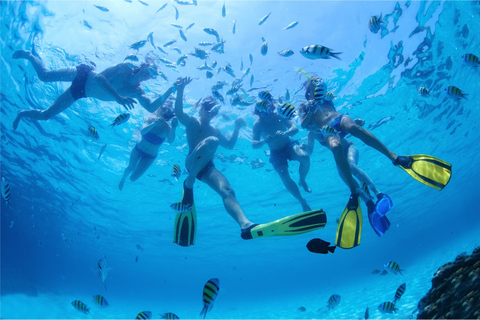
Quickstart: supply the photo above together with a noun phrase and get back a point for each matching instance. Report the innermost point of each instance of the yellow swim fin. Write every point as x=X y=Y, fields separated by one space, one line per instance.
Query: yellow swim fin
x=349 y=229
x=428 y=170
x=288 y=226
x=185 y=228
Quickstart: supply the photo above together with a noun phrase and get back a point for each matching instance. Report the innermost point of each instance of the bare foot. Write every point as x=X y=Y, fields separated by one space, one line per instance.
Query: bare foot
x=120 y=185
x=305 y=186
x=21 y=54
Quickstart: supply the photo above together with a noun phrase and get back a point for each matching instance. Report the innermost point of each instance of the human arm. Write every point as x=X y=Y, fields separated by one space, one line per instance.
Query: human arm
x=153 y=106
x=230 y=143
x=171 y=134
x=127 y=102
x=292 y=129
x=182 y=116
x=306 y=111
x=257 y=141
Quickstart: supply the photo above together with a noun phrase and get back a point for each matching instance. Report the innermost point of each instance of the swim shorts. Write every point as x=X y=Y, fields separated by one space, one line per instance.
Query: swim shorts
x=77 y=89
x=278 y=158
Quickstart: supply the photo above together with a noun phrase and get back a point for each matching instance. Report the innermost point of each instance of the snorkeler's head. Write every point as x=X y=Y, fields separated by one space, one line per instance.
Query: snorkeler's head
x=166 y=111
x=264 y=109
x=310 y=86
x=210 y=106
x=148 y=65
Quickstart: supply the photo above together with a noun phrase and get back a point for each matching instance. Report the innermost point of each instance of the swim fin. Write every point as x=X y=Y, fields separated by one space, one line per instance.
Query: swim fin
x=185 y=228
x=376 y=214
x=288 y=226
x=428 y=170
x=349 y=228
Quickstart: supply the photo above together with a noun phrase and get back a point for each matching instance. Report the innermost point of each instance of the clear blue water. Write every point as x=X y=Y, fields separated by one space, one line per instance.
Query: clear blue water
x=66 y=211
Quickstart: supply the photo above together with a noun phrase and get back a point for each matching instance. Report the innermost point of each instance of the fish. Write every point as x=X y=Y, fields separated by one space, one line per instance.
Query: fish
x=180 y=207
x=144 y=3
x=80 y=306
x=471 y=59
x=93 y=132
x=176 y=171
x=237 y=101
x=204 y=44
x=161 y=8
x=455 y=92
x=218 y=96
x=233 y=90
x=291 y=25
x=329 y=96
x=287 y=95
x=301 y=309
x=264 y=48
x=387 y=307
x=184 y=3
x=328 y=131
x=423 y=92
x=224 y=11
x=399 y=293
x=320 y=246
x=166 y=61
x=144 y=315
x=234 y=26
x=121 y=118
x=333 y=301
x=136 y=259
x=6 y=191
x=103 y=270
x=287 y=111
x=102 y=151
x=182 y=35
x=137 y=45
x=251 y=58
x=241 y=64
x=265 y=96
x=251 y=80
x=169 y=43
x=200 y=53
x=393 y=267
x=367 y=313
x=210 y=293
x=176 y=25
x=177 y=50
x=181 y=61
x=212 y=32
x=204 y=67
x=264 y=19
x=286 y=53
x=101 y=8
x=132 y=57
x=209 y=75
x=169 y=315
x=139 y=247
x=176 y=13
x=85 y=23
x=150 y=39
x=228 y=69
x=129 y=1
x=375 y=23
x=189 y=26
x=384 y=272
x=100 y=300
x=318 y=52
x=161 y=50
x=376 y=271
x=320 y=92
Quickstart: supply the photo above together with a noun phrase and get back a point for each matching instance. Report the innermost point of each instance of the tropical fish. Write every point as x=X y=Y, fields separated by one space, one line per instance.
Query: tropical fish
x=209 y=75
x=320 y=246
x=100 y=300
x=161 y=50
x=161 y=8
x=212 y=32
x=264 y=19
x=6 y=191
x=328 y=131
x=393 y=267
x=176 y=171
x=376 y=271
x=237 y=101
x=169 y=315
x=471 y=59
x=264 y=48
x=184 y=3
x=144 y=3
x=176 y=13
x=286 y=53
x=399 y=293
x=384 y=272
x=180 y=207
x=176 y=25
x=291 y=25
x=302 y=309
x=228 y=69
x=251 y=58
x=177 y=50
x=233 y=90
x=85 y=23
x=367 y=313
x=137 y=45
x=102 y=151
x=121 y=118
x=251 y=80
x=218 y=47
x=210 y=292
x=387 y=307
x=265 y=96
x=234 y=26
x=375 y=23
x=101 y=8
x=80 y=306
x=287 y=111
x=455 y=92
x=169 y=43
x=423 y=92
x=224 y=11
x=182 y=35
x=200 y=53
x=181 y=61
x=189 y=26
x=333 y=301
x=103 y=270
x=318 y=52
x=93 y=132
x=144 y=315
x=320 y=92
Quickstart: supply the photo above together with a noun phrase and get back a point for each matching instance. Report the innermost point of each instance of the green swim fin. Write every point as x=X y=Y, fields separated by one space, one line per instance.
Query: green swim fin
x=349 y=228
x=185 y=228
x=288 y=226
x=428 y=170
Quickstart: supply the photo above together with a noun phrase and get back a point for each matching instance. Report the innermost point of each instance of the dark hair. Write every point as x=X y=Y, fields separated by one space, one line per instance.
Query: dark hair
x=307 y=85
x=208 y=103
x=166 y=111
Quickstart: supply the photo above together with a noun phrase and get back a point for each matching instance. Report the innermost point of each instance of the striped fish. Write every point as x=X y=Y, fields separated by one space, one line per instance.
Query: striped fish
x=144 y=315
x=471 y=59
x=328 y=131
x=6 y=191
x=333 y=301
x=318 y=52
x=180 y=207
x=169 y=315
x=93 y=132
x=261 y=106
x=320 y=92
x=121 y=118
x=176 y=171
x=80 y=306
x=210 y=292
x=287 y=111
x=423 y=92
x=265 y=96
x=400 y=291
x=367 y=314
x=387 y=307
x=375 y=23
x=100 y=300
x=455 y=92
x=393 y=267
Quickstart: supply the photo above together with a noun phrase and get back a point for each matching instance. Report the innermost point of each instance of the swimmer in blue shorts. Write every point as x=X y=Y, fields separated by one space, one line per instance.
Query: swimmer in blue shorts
x=277 y=133
x=154 y=132
x=120 y=83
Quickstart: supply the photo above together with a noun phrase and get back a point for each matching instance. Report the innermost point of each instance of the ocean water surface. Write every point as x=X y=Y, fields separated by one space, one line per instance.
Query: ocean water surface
x=65 y=211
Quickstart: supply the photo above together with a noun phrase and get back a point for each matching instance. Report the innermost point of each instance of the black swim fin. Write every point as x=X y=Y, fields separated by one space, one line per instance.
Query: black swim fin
x=349 y=229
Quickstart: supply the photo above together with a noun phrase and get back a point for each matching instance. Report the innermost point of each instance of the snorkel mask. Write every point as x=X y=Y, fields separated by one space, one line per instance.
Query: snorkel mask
x=264 y=109
x=210 y=106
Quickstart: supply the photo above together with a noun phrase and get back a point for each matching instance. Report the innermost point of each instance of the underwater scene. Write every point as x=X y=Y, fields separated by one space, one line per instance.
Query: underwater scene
x=235 y=159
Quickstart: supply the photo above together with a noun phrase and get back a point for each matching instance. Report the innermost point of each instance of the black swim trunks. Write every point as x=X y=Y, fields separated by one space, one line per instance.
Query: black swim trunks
x=77 y=89
x=205 y=169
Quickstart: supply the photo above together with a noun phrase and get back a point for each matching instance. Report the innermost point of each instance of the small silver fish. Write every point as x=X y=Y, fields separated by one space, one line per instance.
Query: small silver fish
x=137 y=45
x=182 y=35
x=150 y=39
x=144 y=3
x=102 y=151
x=176 y=13
x=176 y=25
x=169 y=43
x=224 y=11
x=85 y=23
x=291 y=25
x=132 y=57
x=162 y=7
x=177 y=50
x=101 y=8
x=264 y=48
x=264 y=19
x=189 y=26
x=234 y=26
x=286 y=53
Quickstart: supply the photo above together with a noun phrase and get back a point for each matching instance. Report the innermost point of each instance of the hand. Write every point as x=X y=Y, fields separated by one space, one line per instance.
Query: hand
x=359 y=122
x=174 y=122
x=182 y=82
x=268 y=139
x=128 y=103
x=240 y=122
x=279 y=134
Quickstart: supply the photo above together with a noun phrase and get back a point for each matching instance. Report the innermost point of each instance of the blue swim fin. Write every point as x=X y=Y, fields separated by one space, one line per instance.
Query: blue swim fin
x=376 y=214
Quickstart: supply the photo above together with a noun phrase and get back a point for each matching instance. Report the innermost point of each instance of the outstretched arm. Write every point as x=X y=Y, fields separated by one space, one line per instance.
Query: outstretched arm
x=230 y=143
x=171 y=134
x=153 y=106
x=182 y=116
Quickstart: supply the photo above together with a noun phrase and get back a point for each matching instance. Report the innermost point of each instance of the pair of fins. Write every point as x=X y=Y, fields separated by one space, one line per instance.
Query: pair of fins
x=426 y=169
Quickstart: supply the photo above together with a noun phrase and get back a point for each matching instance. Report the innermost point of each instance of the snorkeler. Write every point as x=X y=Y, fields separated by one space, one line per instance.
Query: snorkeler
x=277 y=133
x=120 y=83
x=154 y=132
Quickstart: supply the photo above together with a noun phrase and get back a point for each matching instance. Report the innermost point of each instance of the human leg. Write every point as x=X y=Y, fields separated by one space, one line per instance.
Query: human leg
x=45 y=75
x=292 y=186
x=198 y=159
x=342 y=164
x=352 y=158
x=134 y=158
x=141 y=167
x=301 y=155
